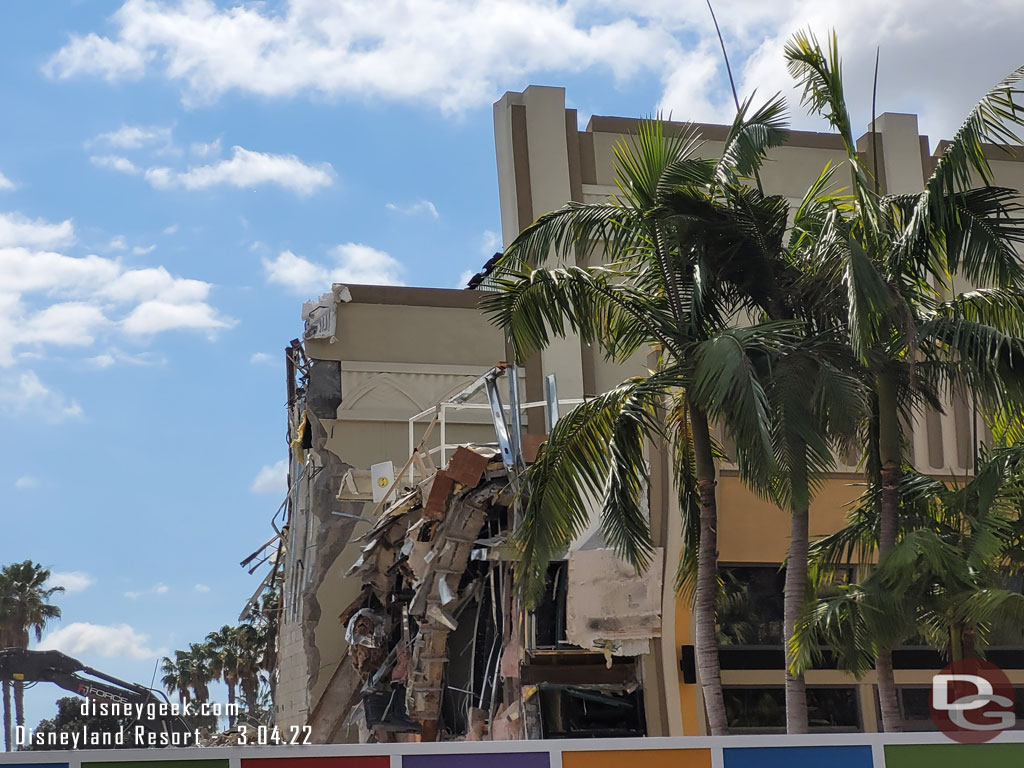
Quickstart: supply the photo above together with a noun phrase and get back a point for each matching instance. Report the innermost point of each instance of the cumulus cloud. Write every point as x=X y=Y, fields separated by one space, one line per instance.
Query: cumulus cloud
x=423 y=207
x=202 y=588
x=26 y=482
x=72 y=581
x=106 y=641
x=450 y=52
x=16 y=229
x=6 y=185
x=262 y=358
x=247 y=168
x=272 y=478
x=50 y=298
x=350 y=263
x=461 y=54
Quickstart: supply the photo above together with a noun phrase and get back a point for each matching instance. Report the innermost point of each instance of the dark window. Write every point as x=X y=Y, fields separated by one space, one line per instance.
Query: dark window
x=572 y=712
x=764 y=709
x=750 y=605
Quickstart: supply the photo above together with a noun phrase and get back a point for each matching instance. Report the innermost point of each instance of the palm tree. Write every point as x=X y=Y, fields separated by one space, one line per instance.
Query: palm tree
x=251 y=660
x=943 y=581
x=198 y=661
x=893 y=257
x=225 y=655
x=24 y=610
x=176 y=677
x=659 y=291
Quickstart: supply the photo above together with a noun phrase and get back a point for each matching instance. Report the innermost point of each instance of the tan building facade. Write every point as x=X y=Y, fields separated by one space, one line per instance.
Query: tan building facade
x=389 y=354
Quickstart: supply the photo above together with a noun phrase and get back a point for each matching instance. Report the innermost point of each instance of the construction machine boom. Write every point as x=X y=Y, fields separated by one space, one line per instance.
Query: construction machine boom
x=22 y=665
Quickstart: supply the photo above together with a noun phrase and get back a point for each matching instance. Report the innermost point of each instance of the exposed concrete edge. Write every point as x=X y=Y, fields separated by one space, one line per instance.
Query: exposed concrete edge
x=456 y=298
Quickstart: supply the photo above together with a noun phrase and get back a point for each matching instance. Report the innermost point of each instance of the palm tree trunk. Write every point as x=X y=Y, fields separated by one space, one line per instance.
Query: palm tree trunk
x=891 y=460
x=793 y=607
x=19 y=703
x=7 y=716
x=231 y=703
x=708 y=667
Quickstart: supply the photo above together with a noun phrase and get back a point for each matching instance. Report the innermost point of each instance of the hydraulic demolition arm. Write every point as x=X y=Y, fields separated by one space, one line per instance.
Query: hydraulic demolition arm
x=21 y=665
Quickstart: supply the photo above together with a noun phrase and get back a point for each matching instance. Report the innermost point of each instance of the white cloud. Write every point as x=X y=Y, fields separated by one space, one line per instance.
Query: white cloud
x=16 y=229
x=170 y=230
x=202 y=588
x=262 y=358
x=6 y=185
x=424 y=207
x=115 y=163
x=117 y=243
x=106 y=641
x=72 y=581
x=49 y=298
x=247 y=168
x=272 y=478
x=25 y=394
x=114 y=356
x=461 y=54
x=157 y=589
x=26 y=482
x=205 y=148
x=464 y=277
x=142 y=250
x=136 y=136
x=352 y=263
x=451 y=52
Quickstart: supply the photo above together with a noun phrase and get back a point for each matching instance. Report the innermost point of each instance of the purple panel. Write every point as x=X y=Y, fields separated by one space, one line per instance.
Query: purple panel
x=479 y=760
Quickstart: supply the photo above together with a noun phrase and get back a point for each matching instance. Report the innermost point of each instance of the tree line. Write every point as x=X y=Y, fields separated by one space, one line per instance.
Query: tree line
x=800 y=332
x=243 y=657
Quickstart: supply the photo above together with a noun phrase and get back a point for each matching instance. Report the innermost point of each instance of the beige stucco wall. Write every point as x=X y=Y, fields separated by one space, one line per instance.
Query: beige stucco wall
x=401 y=351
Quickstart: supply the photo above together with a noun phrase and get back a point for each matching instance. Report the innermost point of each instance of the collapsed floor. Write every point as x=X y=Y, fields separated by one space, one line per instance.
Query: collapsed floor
x=439 y=651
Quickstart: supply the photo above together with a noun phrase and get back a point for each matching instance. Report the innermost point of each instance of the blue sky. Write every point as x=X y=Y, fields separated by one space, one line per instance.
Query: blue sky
x=177 y=177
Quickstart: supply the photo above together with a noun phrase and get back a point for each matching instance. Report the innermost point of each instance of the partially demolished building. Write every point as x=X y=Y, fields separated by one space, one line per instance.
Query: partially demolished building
x=398 y=621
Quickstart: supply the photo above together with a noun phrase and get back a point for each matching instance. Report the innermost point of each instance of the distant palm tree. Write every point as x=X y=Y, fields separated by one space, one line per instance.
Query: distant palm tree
x=225 y=661
x=198 y=659
x=176 y=677
x=24 y=610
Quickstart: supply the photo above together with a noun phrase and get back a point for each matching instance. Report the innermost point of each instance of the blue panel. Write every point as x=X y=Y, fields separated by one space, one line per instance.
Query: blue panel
x=798 y=757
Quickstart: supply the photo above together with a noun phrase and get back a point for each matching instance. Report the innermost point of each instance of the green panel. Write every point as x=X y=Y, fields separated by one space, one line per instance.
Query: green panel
x=161 y=764
x=954 y=755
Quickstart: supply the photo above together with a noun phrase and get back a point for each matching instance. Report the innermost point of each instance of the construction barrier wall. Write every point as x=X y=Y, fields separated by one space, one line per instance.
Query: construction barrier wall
x=911 y=750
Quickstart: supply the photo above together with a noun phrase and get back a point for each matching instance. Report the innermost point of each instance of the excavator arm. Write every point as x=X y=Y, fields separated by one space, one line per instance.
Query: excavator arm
x=21 y=665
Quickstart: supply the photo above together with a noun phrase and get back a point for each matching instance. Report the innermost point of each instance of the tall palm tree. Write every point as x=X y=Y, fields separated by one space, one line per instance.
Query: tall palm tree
x=658 y=292
x=893 y=257
x=24 y=611
x=225 y=656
